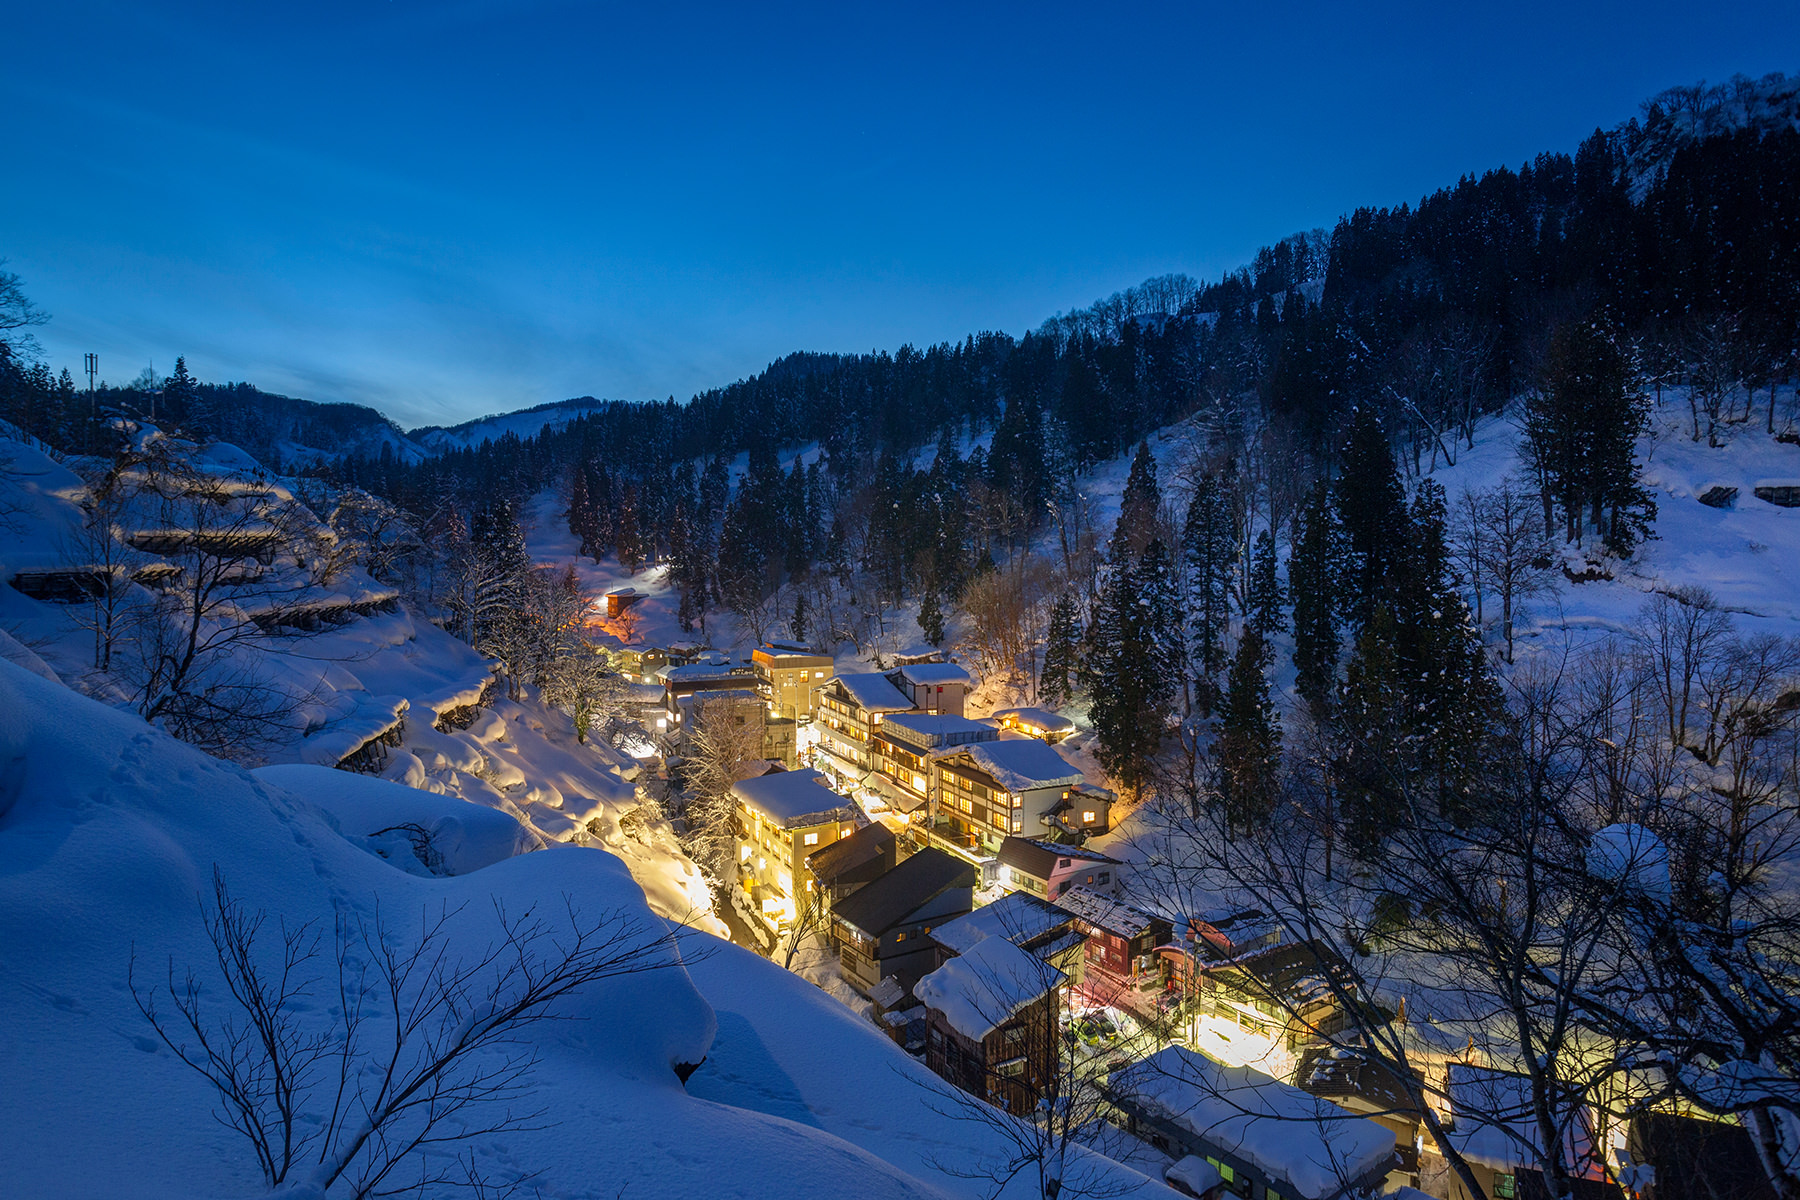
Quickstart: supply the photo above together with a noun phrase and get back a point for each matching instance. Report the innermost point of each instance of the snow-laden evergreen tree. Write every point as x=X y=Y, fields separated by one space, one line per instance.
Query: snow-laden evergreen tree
x=1062 y=652
x=1371 y=510
x=1370 y=768
x=1451 y=695
x=582 y=518
x=1582 y=428
x=1262 y=611
x=931 y=618
x=1131 y=670
x=1138 y=508
x=1249 y=738
x=1209 y=560
x=1313 y=582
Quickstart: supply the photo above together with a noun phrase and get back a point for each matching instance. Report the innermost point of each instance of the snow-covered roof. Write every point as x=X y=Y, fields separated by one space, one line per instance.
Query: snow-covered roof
x=1105 y=913
x=873 y=693
x=1019 y=765
x=932 y=730
x=1313 y=1145
x=934 y=673
x=698 y=673
x=1037 y=718
x=983 y=988
x=793 y=798
x=1018 y=917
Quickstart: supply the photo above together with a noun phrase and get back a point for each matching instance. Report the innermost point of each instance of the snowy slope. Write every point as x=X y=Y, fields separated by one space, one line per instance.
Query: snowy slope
x=353 y=681
x=1748 y=556
x=109 y=830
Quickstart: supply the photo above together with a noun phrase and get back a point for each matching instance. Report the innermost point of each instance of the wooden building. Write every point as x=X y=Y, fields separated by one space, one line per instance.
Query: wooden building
x=992 y=1024
x=790 y=677
x=783 y=817
x=883 y=928
x=1121 y=966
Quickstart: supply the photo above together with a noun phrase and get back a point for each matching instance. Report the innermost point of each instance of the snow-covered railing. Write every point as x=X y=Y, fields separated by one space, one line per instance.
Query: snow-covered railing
x=358 y=742
x=458 y=711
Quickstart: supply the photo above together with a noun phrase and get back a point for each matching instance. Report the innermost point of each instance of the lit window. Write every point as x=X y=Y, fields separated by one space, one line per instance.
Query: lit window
x=899 y=937
x=1088 y=816
x=919 y=782
x=811 y=839
x=762 y=863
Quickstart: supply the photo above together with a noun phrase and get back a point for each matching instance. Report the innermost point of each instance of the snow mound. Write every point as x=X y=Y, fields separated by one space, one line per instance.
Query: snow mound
x=441 y=834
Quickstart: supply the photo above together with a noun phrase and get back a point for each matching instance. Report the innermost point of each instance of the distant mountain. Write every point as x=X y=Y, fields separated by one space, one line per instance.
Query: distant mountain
x=525 y=423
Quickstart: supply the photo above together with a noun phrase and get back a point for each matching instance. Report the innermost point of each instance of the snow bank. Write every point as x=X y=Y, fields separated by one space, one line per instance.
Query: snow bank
x=459 y=836
x=115 y=829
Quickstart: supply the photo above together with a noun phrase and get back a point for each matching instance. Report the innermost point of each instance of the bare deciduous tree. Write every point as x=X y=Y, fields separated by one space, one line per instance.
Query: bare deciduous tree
x=423 y=1054
x=1502 y=547
x=722 y=746
x=1007 y=611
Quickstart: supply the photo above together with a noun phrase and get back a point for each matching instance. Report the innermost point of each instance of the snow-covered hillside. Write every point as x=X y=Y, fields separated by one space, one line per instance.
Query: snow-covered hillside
x=1747 y=555
x=383 y=680
x=1683 y=115
x=109 y=831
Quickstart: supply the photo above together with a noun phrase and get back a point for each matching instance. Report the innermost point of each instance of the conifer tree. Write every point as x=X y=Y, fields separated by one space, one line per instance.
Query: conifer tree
x=1451 y=695
x=181 y=395
x=931 y=617
x=1581 y=437
x=1209 y=553
x=1138 y=508
x=1062 y=650
x=1249 y=740
x=797 y=621
x=1263 y=611
x=1373 y=766
x=581 y=513
x=1371 y=510
x=1131 y=668
x=1313 y=578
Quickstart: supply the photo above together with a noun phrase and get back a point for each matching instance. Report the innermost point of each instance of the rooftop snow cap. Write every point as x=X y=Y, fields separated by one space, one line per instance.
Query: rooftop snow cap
x=873 y=693
x=1017 y=917
x=986 y=986
x=930 y=731
x=1104 y=913
x=793 y=798
x=1019 y=765
x=1036 y=718
x=1314 y=1147
x=920 y=674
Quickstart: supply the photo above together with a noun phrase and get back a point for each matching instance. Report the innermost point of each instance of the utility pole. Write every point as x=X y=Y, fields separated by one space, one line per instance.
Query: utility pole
x=91 y=361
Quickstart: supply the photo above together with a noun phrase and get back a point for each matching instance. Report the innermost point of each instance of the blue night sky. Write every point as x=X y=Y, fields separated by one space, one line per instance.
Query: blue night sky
x=453 y=208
